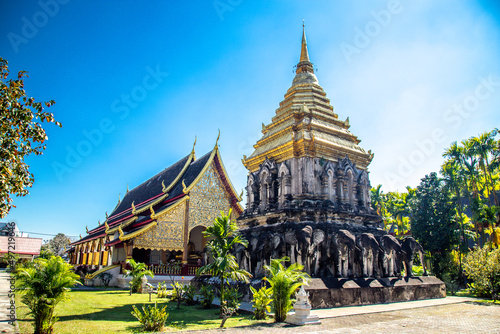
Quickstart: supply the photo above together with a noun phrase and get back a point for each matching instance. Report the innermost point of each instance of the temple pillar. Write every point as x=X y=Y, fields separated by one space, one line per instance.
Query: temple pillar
x=186 y=235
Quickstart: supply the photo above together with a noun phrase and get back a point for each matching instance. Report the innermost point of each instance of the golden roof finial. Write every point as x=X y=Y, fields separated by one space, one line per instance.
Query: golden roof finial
x=133 y=208
x=163 y=188
x=153 y=215
x=87 y=229
x=184 y=188
x=217 y=141
x=107 y=226
x=304 y=55
x=107 y=215
x=192 y=151
x=99 y=222
x=80 y=236
x=241 y=195
x=121 y=232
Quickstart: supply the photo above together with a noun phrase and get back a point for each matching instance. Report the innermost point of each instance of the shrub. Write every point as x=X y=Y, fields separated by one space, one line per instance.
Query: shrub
x=260 y=302
x=161 y=291
x=208 y=295
x=43 y=287
x=137 y=271
x=105 y=278
x=230 y=303
x=178 y=293
x=284 y=282
x=189 y=294
x=482 y=265
x=153 y=319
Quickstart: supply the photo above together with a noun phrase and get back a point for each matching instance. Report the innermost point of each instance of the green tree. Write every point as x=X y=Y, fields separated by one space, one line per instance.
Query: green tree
x=284 y=283
x=21 y=134
x=137 y=272
x=223 y=236
x=43 y=286
x=434 y=223
x=58 y=244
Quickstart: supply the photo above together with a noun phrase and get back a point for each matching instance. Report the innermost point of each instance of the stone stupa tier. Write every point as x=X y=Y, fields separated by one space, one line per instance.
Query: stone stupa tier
x=305 y=125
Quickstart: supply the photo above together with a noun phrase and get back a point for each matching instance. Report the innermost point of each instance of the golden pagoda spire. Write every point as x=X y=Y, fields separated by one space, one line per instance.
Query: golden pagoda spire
x=304 y=55
x=304 y=65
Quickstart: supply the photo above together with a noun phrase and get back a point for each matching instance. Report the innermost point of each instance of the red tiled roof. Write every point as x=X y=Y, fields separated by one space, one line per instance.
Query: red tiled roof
x=20 y=245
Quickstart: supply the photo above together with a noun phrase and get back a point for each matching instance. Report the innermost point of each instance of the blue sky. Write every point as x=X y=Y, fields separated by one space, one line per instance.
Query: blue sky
x=135 y=82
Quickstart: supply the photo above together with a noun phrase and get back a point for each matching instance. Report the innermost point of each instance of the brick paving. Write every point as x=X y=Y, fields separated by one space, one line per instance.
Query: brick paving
x=454 y=318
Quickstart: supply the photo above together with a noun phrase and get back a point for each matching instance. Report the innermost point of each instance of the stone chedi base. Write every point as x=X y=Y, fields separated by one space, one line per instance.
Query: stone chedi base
x=336 y=292
x=302 y=314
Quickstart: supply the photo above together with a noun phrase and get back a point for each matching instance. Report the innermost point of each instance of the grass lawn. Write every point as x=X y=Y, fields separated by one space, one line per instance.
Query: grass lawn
x=109 y=312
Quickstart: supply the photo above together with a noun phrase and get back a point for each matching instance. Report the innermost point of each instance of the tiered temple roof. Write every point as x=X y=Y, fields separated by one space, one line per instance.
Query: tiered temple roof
x=306 y=125
x=141 y=206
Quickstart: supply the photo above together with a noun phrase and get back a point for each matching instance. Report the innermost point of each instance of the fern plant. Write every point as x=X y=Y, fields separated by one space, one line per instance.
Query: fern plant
x=260 y=302
x=153 y=319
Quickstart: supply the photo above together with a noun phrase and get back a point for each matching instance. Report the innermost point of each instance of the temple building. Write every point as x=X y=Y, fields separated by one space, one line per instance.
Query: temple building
x=163 y=218
x=307 y=158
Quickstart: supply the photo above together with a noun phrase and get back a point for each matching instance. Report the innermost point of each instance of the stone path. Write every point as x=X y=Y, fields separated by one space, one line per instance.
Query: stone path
x=448 y=315
x=5 y=327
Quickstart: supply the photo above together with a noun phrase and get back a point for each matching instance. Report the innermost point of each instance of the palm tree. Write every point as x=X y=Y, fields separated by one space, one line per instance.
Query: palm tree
x=483 y=146
x=43 y=286
x=137 y=272
x=284 y=283
x=377 y=198
x=223 y=235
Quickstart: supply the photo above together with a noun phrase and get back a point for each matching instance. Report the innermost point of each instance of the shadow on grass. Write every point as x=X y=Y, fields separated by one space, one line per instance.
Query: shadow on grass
x=187 y=316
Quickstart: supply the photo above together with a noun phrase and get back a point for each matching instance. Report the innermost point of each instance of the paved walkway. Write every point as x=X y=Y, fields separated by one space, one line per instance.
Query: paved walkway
x=444 y=315
x=5 y=327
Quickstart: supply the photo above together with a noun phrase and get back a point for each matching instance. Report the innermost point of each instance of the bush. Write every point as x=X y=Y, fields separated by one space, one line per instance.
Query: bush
x=230 y=303
x=260 y=302
x=105 y=278
x=482 y=265
x=178 y=293
x=189 y=294
x=153 y=319
x=43 y=286
x=208 y=295
x=284 y=283
x=161 y=291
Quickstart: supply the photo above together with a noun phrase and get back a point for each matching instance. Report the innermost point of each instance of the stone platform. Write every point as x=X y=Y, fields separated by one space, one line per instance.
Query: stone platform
x=336 y=292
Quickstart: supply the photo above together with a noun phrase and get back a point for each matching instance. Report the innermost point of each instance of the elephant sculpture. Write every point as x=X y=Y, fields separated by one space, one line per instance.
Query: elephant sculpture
x=344 y=243
x=241 y=254
x=318 y=238
x=254 y=261
x=409 y=247
x=276 y=246
x=291 y=244
x=369 y=248
x=391 y=253
x=305 y=242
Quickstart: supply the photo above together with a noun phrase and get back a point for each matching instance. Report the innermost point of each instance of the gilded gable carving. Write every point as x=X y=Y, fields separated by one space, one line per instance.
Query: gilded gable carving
x=167 y=234
x=207 y=199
